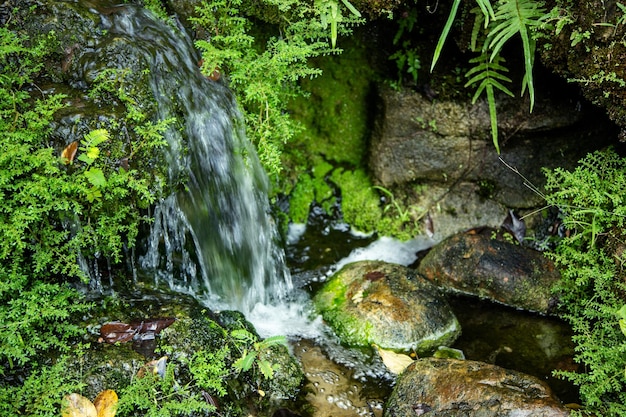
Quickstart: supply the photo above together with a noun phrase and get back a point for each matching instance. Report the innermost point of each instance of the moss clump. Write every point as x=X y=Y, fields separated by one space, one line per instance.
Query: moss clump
x=335 y=113
x=359 y=201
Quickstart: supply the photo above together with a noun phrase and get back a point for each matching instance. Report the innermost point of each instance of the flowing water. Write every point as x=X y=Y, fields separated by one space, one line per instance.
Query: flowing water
x=214 y=238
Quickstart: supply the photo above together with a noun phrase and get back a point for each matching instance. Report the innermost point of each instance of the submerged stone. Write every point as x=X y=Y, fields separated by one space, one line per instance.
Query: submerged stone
x=372 y=302
x=475 y=263
x=459 y=388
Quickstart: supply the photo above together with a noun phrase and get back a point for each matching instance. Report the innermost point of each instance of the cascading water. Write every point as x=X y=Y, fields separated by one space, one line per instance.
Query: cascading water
x=215 y=238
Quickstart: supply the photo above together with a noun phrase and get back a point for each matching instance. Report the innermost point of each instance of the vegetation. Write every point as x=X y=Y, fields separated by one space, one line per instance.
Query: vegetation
x=592 y=290
x=63 y=202
x=263 y=71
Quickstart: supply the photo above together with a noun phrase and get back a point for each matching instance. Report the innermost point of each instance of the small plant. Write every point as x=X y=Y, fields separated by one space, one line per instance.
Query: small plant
x=252 y=350
x=402 y=214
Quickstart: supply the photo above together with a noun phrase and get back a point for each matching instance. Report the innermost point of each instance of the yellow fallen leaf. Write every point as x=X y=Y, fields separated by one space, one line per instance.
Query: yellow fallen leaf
x=106 y=403
x=69 y=152
x=395 y=362
x=75 y=405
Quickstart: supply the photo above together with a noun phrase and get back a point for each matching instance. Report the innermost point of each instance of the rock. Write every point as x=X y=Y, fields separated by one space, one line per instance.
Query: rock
x=459 y=388
x=444 y=141
x=372 y=302
x=478 y=264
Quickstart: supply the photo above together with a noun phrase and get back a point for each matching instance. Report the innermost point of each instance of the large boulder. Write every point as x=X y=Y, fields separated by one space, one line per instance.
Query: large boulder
x=481 y=264
x=373 y=302
x=459 y=388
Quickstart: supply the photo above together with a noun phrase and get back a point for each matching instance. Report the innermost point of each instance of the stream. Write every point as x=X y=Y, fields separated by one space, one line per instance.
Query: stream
x=215 y=239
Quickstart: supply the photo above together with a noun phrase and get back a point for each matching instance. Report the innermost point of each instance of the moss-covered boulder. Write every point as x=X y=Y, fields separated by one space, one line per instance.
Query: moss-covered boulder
x=373 y=302
x=482 y=264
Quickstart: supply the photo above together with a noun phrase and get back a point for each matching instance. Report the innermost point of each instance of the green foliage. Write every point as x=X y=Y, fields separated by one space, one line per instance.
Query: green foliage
x=510 y=19
x=263 y=72
x=155 y=396
x=55 y=210
x=251 y=352
x=593 y=287
x=487 y=74
x=330 y=12
x=41 y=394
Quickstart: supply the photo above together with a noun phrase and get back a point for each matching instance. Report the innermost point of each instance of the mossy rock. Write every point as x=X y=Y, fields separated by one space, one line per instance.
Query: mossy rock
x=373 y=302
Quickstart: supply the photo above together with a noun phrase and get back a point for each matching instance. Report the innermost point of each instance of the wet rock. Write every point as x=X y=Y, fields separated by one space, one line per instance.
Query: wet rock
x=458 y=388
x=444 y=141
x=484 y=265
x=372 y=302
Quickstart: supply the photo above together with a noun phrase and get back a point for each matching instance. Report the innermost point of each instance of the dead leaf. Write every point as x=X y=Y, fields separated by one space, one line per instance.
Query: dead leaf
x=155 y=367
x=515 y=225
x=75 y=405
x=69 y=153
x=116 y=331
x=395 y=362
x=106 y=403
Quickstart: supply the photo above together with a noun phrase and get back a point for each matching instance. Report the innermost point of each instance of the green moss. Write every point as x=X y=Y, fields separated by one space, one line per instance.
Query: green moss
x=335 y=113
x=359 y=201
x=301 y=198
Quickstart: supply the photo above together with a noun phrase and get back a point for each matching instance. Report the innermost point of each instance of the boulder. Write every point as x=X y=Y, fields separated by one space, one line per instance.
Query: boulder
x=373 y=302
x=481 y=263
x=418 y=139
x=459 y=388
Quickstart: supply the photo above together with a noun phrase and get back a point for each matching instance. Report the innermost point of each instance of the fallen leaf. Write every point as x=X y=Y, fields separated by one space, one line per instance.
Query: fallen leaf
x=515 y=225
x=116 y=331
x=395 y=362
x=75 y=405
x=69 y=153
x=106 y=403
x=155 y=367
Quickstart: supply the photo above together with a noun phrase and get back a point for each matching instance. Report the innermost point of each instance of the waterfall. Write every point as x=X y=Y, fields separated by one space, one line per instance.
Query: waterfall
x=215 y=237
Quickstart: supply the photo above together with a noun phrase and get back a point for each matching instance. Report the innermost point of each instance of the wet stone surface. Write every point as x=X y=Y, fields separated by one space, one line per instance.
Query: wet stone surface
x=450 y=387
x=482 y=264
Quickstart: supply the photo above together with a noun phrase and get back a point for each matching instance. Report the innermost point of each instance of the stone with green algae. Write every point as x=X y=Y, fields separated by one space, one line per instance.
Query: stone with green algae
x=374 y=302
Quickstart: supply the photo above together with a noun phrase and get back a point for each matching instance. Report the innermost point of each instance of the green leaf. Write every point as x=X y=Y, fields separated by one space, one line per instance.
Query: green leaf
x=444 y=32
x=517 y=17
x=352 y=9
x=95 y=176
x=266 y=369
x=96 y=137
x=246 y=361
x=273 y=341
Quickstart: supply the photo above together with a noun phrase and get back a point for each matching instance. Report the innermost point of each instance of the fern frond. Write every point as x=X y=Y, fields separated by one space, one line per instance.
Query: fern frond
x=485 y=7
x=488 y=75
x=444 y=32
x=513 y=17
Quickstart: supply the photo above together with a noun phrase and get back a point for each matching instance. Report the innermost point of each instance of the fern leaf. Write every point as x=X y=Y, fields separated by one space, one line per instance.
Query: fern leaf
x=96 y=137
x=485 y=7
x=273 y=341
x=488 y=75
x=513 y=17
x=243 y=335
x=266 y=369
x=444 y=33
